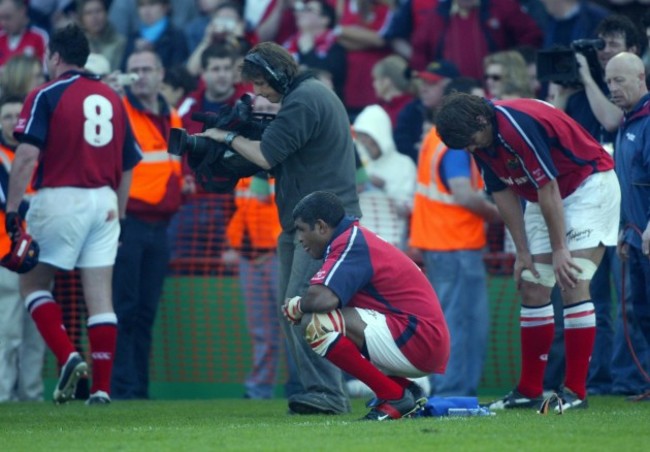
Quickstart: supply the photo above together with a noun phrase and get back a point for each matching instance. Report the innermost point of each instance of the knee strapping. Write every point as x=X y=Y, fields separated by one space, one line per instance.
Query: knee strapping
x=588 y=268
x=546 y=275
x=323 y=329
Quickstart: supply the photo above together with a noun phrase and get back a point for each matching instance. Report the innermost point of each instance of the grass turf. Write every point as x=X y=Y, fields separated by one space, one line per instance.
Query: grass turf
x=610 y=423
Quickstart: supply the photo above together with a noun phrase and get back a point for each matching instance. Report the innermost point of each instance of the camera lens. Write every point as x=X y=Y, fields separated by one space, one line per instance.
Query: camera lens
x=177 y=141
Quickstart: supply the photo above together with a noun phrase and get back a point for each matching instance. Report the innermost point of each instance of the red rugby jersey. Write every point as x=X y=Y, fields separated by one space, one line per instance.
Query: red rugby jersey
x=81 y=128
x=365 y=271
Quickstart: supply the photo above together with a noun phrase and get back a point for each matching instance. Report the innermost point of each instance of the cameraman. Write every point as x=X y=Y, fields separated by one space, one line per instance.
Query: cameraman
x=589 y=105
x=308 y=147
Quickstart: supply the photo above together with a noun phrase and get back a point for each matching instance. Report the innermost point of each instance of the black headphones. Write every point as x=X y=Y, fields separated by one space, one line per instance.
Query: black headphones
x=276 y=79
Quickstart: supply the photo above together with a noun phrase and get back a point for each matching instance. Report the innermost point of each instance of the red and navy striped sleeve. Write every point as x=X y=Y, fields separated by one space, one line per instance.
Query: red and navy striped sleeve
x=347 y=267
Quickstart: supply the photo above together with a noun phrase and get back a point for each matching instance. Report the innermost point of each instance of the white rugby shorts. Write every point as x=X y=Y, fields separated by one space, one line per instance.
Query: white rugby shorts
x=383 y=351
x=72 y=228
x=591 y=216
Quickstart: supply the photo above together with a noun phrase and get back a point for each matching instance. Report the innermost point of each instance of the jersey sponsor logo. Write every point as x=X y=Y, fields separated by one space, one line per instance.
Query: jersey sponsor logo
x=517 y=180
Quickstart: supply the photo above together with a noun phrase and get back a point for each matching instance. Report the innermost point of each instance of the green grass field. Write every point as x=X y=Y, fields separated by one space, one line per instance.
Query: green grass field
x=610 y=424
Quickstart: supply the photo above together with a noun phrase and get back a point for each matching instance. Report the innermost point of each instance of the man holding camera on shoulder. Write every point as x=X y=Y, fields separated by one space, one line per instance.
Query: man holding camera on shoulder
x=307 y=147
x=589 y=104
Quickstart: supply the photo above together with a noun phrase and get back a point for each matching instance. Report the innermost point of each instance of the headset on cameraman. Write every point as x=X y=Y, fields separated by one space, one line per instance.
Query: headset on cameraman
x=276 y=79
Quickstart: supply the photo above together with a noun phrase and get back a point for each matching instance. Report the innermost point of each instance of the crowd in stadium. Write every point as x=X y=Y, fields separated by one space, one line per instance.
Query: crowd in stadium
x=391 y=64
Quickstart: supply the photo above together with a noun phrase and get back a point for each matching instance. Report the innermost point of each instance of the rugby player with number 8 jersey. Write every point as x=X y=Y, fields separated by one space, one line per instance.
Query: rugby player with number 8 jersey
x=74 y=132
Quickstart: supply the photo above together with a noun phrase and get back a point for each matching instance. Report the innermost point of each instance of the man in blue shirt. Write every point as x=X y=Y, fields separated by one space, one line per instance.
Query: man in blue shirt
x=625 y=76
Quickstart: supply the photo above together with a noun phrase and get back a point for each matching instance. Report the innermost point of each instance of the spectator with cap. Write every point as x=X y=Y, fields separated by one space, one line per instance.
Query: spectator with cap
x=430 y=85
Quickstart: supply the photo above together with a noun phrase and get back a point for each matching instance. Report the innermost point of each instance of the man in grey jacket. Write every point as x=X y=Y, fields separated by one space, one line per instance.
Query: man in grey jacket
x=307 y=147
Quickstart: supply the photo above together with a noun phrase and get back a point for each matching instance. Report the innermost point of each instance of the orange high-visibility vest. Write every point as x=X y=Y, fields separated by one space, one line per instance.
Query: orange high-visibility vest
x=151 y=175
x=437 y=222
x=255 y=215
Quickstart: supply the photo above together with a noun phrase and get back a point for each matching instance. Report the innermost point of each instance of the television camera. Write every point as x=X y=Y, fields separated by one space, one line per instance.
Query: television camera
x=559 y=65
x=216 y=166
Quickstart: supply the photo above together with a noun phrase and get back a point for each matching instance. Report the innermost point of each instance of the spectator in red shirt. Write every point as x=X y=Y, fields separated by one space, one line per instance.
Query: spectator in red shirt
x=466 y=31
x=359 y=31
x=17 y=36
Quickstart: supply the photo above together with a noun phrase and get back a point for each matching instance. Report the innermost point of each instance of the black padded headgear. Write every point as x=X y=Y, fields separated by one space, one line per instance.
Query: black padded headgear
x=276 y=79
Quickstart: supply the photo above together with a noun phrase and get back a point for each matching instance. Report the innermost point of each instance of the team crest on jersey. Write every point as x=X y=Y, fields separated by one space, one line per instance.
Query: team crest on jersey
x=512 y=164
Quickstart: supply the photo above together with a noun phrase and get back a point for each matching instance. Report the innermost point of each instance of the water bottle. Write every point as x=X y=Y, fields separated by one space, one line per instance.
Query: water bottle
x=466 y=412
x=462 y=412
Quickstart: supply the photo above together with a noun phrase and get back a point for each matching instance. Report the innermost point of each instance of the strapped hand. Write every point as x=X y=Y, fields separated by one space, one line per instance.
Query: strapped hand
x=291 y=310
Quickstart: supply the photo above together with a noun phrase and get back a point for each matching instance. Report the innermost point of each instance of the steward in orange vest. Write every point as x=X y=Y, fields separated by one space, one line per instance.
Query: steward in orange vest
x=255 y=226
x=438 y=223
x=156 y=187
